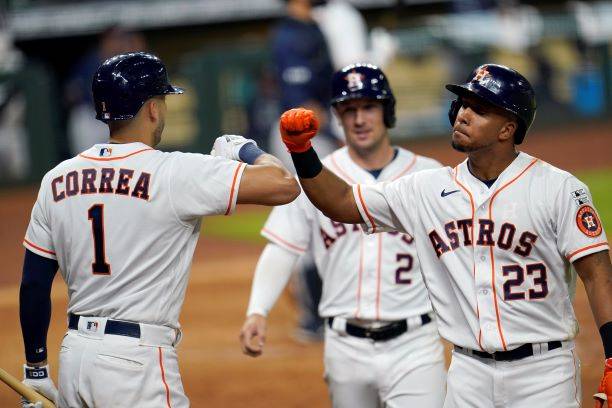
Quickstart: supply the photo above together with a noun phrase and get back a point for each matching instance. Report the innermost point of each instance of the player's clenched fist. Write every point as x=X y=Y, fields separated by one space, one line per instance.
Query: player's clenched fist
x=604 y=392
x=297 y=127
x=253 y=335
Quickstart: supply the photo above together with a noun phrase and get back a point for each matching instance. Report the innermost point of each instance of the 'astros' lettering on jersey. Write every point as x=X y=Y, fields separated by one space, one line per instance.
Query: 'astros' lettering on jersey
x=364 y=276
x=123 y=222
x=495 y=260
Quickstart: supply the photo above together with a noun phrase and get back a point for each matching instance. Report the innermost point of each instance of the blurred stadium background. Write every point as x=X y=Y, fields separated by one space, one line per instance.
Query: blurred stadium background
x=219 y=51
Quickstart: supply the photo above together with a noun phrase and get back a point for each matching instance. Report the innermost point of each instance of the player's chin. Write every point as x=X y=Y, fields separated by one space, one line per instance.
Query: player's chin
x=461 y=142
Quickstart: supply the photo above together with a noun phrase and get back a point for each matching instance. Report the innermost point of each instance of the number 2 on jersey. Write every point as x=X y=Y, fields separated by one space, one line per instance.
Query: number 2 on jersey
x=401 y=273
x=96 y=216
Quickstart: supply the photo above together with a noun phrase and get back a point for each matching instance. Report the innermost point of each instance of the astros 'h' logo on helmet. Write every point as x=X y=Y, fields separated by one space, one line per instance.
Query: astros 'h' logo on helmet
x=355 y=81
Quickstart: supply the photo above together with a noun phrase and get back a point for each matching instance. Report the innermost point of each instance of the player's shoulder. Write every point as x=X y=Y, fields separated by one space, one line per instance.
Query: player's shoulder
x=420 y=162
x=428 y=178
x=63 y=167
x=191 y=158
x=548 y=174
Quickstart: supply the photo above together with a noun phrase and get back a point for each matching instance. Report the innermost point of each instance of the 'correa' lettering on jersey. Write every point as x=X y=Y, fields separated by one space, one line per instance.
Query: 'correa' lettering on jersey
x=459 y=232
x=329 y=238
x=101 y=181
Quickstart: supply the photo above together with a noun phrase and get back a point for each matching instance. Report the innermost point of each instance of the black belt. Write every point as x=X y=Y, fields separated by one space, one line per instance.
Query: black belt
x=115 y=327
x=383 y=333
x=526 y=350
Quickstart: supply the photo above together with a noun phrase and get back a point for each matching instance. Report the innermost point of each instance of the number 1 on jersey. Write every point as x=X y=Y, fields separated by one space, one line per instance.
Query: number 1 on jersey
x=96 y=216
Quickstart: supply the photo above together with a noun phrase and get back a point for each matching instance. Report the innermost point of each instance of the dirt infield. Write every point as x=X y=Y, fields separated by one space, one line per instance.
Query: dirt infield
x=214 y=371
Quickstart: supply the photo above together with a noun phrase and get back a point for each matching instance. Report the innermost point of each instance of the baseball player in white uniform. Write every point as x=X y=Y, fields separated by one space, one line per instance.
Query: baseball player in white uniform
x=496 y=237
x=381 y=344
x=121 y=221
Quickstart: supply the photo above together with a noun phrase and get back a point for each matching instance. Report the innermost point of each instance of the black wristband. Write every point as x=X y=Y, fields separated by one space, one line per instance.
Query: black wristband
x=606 y=338
x=307 y=164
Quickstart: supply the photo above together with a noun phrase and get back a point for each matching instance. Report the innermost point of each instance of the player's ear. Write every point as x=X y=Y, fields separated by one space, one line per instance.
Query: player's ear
x=153 y=109
x=507 y=130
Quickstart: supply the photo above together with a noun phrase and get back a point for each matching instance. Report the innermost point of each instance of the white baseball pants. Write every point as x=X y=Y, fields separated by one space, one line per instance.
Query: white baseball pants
x=550 y=379
x=407 y=371
x=102 y=370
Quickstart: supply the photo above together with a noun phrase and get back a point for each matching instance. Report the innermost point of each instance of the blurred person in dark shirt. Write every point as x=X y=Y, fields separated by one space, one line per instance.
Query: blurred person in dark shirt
x=303 y=69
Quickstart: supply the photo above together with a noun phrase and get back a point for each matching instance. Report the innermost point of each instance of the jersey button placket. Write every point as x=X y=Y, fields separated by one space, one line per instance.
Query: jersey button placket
x=368 y=294
x=486 y=311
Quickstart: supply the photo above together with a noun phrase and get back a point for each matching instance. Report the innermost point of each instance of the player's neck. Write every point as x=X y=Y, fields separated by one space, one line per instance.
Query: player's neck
x=372 y=160
x=488 y=164
x=129 y=136
x=300 y=11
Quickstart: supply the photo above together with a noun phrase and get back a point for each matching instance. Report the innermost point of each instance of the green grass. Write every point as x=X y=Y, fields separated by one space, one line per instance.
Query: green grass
x=600 y=184
x=245 y=224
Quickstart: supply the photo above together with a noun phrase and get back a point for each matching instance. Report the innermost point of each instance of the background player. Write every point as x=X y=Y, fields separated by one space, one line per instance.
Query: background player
x=495 y=237
x=303 y=66
x=381 y=346
x=121 y=220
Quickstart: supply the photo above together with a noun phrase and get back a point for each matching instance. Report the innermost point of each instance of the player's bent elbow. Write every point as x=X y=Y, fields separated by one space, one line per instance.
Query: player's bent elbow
x=287 y=190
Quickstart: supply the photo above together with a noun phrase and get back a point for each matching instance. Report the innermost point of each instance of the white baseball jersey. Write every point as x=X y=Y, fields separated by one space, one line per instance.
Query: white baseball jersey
x=123 y=220
x=373 y=277
x=495 y=260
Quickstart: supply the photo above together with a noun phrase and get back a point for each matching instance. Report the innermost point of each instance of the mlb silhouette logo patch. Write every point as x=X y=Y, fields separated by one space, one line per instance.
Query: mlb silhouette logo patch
x=580 y=197
x=106 y=151
x=92 y=326
x=588 y=221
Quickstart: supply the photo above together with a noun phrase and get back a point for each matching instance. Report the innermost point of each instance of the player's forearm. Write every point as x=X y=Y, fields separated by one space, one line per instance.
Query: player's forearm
x=333 y=196
x=272 y=273
x=35 y=305
x=600 y=300
x=267 y=182
x=267 y=159
x=595 y=271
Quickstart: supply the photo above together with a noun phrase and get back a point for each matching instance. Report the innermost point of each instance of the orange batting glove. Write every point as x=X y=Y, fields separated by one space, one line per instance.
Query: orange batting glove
x=297 y=127
x=604 y=392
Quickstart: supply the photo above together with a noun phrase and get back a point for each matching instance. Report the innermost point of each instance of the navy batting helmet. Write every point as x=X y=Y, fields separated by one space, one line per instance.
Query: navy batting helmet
x=124 y=82
x=357 y=81
x=502 y=87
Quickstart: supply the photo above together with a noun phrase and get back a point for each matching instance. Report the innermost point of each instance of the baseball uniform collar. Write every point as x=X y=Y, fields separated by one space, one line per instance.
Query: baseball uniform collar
x=342 y=164
x=514 y=171
x=113 y=151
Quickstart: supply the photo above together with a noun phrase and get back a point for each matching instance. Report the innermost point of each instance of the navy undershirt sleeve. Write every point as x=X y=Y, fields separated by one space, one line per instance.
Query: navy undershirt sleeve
x=35 y=304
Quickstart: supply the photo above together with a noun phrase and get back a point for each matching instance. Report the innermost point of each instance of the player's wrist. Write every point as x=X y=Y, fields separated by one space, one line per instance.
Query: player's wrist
x=307 y=164
x=38 y=364
x=297 y=146
x=249 y=152
x=257 y=312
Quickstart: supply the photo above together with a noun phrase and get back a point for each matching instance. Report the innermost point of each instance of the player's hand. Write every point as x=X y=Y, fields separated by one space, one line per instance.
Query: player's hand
x=39 y=379
x=253 y=335
x=604 y=392
x=297 y=127
x=229 y=146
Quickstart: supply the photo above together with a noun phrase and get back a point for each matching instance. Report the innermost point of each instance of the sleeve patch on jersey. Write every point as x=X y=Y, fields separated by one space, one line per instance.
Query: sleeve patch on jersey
x=588 y=221
x=580 y=197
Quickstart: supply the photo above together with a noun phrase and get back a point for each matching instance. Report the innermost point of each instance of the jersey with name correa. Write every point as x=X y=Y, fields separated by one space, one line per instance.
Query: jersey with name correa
x=123 y=220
